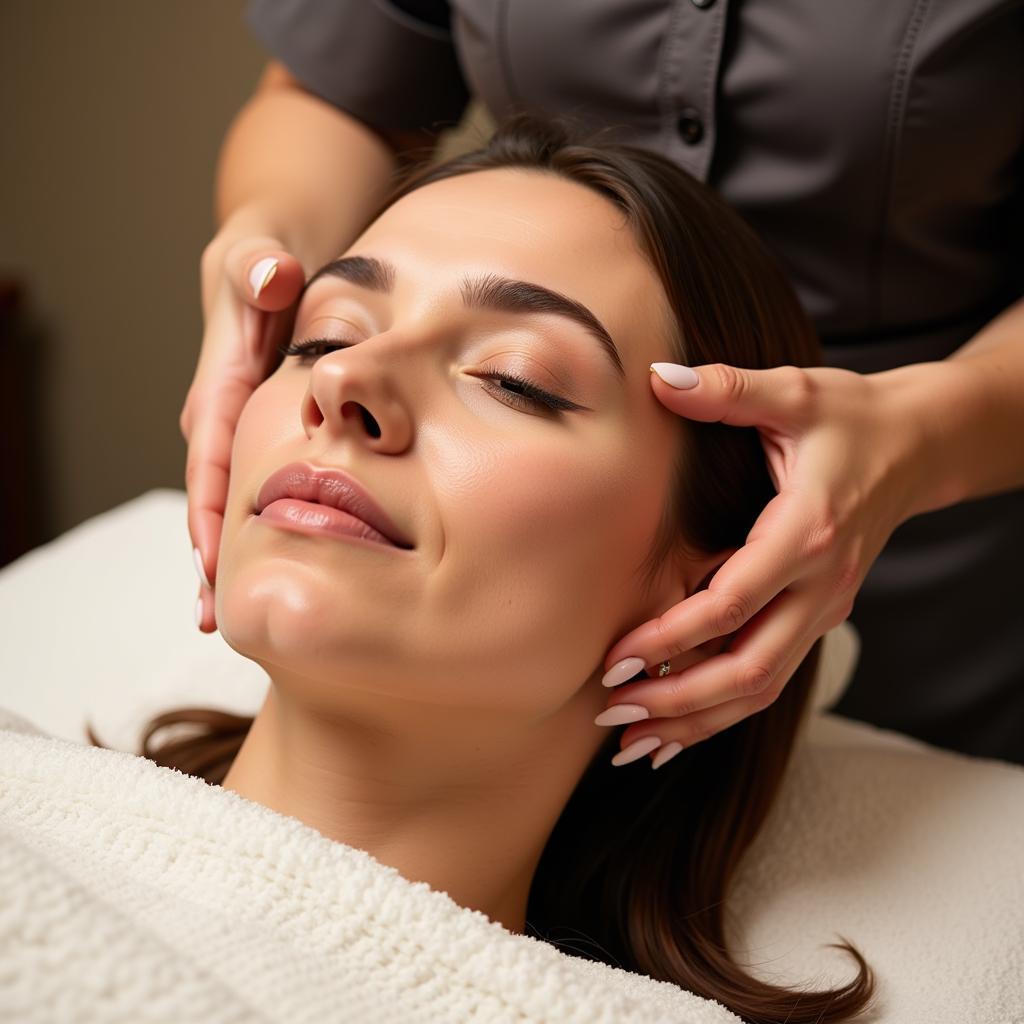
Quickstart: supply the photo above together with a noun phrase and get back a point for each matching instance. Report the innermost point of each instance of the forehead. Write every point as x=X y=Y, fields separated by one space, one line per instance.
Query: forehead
x=535 y=226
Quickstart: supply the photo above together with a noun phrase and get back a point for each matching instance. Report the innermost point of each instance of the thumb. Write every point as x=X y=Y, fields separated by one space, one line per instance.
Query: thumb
x=267 y=278
x=733 y=394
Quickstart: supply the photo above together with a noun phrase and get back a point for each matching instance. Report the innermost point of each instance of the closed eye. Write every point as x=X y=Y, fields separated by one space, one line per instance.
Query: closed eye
x=514 y=390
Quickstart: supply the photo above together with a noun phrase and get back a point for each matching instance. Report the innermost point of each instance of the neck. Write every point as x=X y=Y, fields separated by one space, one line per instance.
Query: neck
x=461 y=799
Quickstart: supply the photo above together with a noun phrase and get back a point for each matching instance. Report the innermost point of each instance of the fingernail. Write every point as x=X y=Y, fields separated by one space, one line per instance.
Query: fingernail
x=637 y=749
x=621 y=714
x=622 y=670
x=198 y=559
x=666 y=753
x=261 y=275
x=199 y=613
x=676 y=374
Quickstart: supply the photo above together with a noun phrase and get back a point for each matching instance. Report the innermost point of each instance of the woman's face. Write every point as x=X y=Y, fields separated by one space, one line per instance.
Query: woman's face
x=529 y=524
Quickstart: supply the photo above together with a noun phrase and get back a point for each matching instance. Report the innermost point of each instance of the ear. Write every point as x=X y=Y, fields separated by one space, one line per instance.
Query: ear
x=686 y=572
x=717 y=560
x=684 y=575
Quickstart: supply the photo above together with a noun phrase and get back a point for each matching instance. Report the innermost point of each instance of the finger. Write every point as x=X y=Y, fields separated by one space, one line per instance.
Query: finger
x=267 y=278
x=228 y=373
x=207 y=467
x=779 y=548
x=753 y=664
x=778 y=397
x=204 y=610
x=702 y=725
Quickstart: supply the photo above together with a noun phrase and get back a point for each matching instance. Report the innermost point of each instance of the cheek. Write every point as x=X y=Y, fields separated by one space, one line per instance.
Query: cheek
x=542 y=536
x=268 y=421
x=542 y=545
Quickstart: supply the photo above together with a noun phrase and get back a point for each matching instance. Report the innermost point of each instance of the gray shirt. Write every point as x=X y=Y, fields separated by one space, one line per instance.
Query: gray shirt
x=876 y=146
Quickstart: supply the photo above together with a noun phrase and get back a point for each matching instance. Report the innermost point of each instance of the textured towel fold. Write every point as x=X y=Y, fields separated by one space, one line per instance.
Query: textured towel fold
x=137 y=893
x=130 y=892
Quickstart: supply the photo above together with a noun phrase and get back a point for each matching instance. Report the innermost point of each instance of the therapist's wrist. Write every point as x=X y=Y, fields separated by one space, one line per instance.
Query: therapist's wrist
x=931 y=407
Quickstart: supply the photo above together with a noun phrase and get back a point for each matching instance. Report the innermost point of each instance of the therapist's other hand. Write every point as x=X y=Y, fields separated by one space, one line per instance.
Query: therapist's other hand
x=249 y=289
x=842 y=452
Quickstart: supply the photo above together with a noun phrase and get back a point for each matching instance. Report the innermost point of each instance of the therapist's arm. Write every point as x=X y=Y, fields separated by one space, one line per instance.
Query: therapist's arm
x=970 y=410
x=298 y=169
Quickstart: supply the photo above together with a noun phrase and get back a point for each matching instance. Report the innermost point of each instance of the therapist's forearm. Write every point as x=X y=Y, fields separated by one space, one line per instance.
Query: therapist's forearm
x=969 y=410
x=299 y=170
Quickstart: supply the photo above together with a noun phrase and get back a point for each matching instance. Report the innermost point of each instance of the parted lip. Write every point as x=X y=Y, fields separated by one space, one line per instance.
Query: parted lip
x=333 y=487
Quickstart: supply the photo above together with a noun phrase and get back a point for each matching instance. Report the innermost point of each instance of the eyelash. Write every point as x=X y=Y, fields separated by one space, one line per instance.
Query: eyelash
x=532 y=398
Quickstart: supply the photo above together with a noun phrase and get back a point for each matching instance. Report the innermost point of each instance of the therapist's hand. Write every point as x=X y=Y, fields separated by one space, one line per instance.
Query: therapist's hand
x=844 y=452
x=249 y=288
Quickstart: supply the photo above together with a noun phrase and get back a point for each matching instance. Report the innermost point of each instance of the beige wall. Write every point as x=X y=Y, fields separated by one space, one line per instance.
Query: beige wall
x=111 y=115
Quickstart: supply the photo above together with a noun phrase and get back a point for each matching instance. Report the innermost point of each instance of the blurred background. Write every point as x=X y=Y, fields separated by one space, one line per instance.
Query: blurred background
x=112 y=115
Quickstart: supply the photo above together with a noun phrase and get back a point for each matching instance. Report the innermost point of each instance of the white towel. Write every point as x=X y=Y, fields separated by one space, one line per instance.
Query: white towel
x=136 y=893
x=130 y=892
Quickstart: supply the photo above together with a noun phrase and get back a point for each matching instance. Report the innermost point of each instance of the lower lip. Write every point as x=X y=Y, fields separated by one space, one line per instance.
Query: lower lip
x=309 y=517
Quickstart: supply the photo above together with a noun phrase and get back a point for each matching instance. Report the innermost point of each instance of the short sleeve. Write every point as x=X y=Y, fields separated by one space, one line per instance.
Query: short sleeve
x=390 y=68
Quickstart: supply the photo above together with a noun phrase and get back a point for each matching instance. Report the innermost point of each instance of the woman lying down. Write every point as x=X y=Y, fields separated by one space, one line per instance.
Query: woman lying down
x=434 y=680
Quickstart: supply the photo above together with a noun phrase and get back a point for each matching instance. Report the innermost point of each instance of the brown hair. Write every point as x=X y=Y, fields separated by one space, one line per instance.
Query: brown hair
x=636 y=871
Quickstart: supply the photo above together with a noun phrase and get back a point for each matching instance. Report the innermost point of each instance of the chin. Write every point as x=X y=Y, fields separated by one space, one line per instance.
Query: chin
x=295 y=621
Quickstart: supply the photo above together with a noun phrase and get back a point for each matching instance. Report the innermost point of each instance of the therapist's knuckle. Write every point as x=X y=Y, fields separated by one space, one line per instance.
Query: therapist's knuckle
x=211 y=258
x=798 y=386
x=187 y=416
x=193 y=467
x=847 y=577
x=211 y=265
x=753 y=678
x=680 y=698
x=730 y=612
x=667 y=639
x=822 y=533
x=730 y=381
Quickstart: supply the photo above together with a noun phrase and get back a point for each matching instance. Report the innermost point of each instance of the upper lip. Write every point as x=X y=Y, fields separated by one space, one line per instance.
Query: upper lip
x=332 y=487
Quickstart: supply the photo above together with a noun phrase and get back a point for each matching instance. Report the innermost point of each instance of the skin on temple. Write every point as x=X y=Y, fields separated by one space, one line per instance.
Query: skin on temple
x=435 y=706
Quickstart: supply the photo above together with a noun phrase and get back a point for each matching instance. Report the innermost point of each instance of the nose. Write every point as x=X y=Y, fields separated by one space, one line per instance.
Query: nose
x=353 y=394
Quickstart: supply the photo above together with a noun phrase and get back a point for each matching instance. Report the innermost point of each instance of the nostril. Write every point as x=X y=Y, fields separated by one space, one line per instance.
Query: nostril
x=311 y=410
x=372 y=426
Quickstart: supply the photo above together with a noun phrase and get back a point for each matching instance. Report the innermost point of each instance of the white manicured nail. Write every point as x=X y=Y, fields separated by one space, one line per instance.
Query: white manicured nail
x=621 y=714
x=198 y=559
x=676 y=374
x=636 y=750
x=261 y=275
x=666 y=753
x=622 y=670
x=199 y=613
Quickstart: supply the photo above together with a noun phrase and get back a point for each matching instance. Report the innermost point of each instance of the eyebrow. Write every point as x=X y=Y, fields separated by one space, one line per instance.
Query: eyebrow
x=488 y=291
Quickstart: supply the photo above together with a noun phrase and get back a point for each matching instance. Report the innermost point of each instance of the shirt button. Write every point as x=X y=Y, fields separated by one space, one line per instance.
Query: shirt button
x=690 y=126
x=702 y=3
